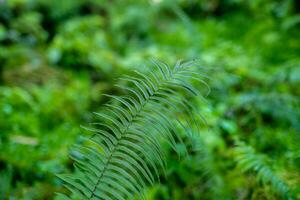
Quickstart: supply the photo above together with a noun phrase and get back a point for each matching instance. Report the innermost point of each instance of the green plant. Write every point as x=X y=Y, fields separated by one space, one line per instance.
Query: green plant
x=124 y=153
x=250 y=161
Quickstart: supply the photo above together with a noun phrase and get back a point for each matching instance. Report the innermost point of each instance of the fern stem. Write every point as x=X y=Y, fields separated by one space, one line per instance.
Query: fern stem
x=118 y=142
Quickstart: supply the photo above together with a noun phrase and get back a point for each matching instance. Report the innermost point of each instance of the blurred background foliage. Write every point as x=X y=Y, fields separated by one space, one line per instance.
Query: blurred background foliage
x=58 y=57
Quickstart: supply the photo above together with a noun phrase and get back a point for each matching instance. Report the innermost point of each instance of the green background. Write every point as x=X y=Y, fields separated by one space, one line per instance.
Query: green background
x=58 y=57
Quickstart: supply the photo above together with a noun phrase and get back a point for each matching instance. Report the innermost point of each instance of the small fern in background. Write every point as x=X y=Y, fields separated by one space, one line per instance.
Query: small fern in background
x=250 y=161
x=124 y=153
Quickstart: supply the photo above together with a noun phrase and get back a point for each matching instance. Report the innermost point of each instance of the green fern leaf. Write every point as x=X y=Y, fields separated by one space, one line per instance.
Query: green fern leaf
x=124 y=153
x=249 y=160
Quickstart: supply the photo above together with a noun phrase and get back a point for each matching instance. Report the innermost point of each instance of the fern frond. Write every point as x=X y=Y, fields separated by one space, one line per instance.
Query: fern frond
x=249 y=160
x=124 y=153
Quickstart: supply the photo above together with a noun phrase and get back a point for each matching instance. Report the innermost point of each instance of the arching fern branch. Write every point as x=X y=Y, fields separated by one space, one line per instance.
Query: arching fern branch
x=124 y=154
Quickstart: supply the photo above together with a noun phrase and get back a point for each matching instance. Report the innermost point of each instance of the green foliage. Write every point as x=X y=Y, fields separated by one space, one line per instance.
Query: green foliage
x=33 y=120
x=249 y=160
x=124 y=153
x=57 y=58
x=78 y=45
